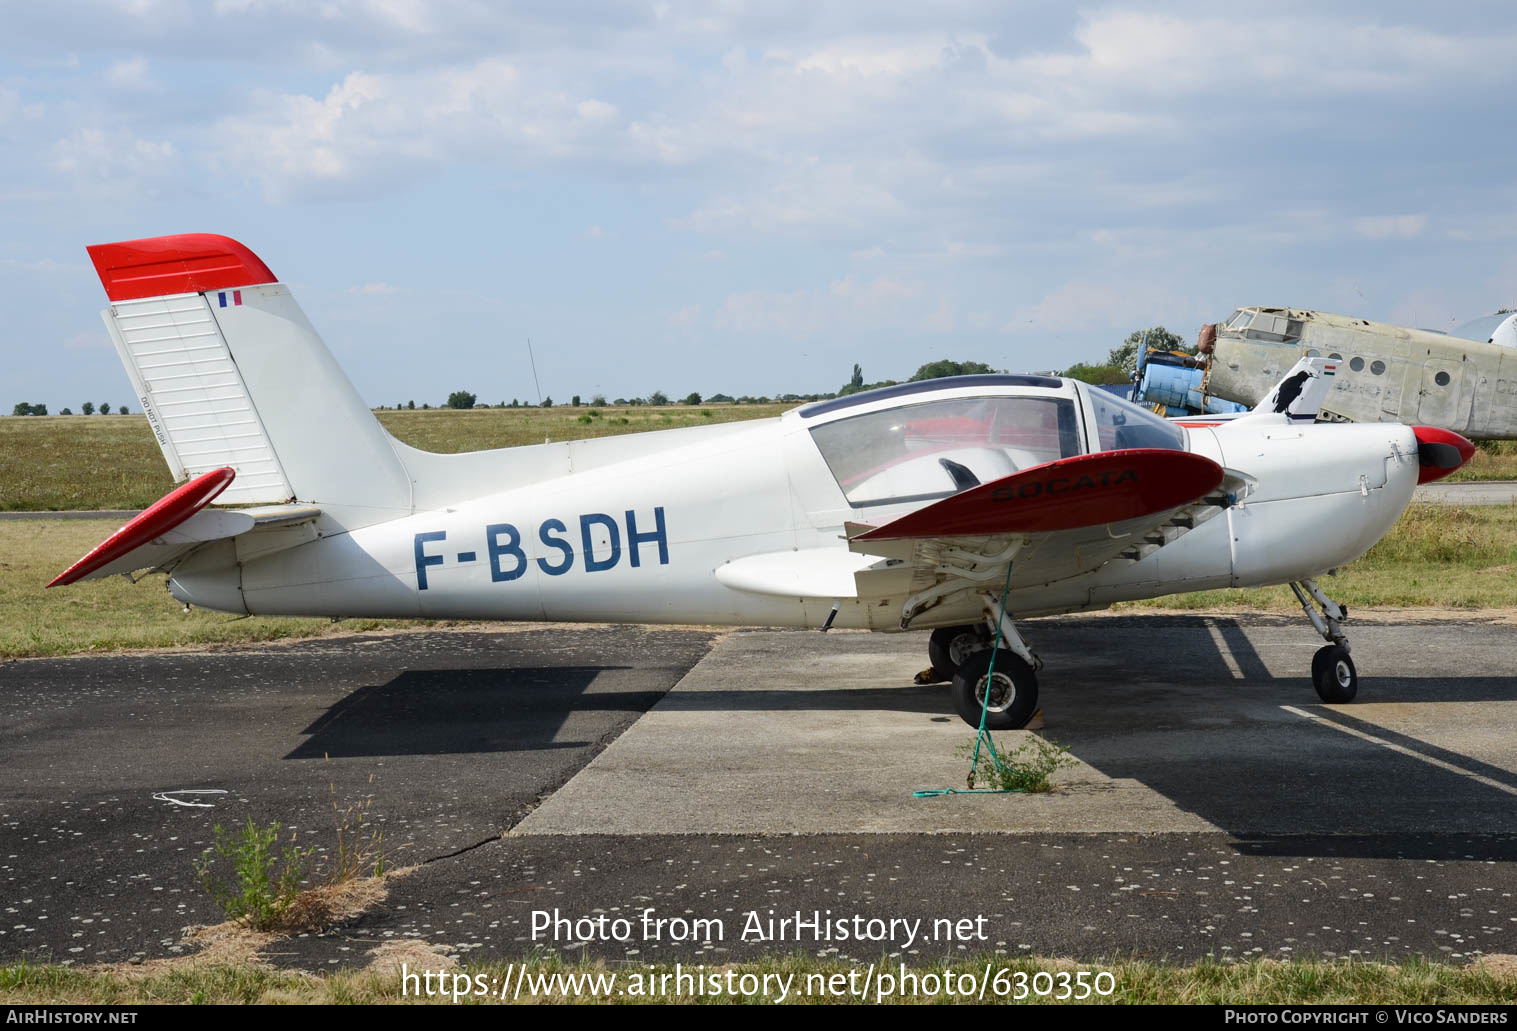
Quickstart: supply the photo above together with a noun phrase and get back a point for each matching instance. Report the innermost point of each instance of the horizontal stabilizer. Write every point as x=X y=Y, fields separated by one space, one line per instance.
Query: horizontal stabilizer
x=1087 y=490
x=153 y=522
x=155 y=540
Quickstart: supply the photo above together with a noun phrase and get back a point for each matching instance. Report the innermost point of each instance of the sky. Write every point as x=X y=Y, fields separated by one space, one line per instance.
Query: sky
x=750 y=197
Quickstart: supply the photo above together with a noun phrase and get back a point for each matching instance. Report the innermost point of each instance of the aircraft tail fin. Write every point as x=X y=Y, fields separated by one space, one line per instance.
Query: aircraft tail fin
x=230 y=373
x=1299 y=396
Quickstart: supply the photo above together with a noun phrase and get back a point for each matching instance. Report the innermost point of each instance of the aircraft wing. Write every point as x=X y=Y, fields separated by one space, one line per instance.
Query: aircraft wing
x=1053 y=521
x=177 y=524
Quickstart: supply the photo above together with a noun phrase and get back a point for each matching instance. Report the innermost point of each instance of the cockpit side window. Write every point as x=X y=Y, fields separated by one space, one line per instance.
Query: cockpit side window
x=939 y=448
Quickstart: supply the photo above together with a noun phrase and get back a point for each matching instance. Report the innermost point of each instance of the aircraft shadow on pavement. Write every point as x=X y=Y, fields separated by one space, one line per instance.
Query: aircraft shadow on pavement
x=452 y=711
x=1209 y=732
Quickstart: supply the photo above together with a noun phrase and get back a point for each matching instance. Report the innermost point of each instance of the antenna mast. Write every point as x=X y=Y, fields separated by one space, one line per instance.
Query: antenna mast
x=536 y=384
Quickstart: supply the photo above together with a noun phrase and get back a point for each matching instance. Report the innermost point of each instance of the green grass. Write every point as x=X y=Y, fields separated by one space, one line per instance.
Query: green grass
x=480 y=429
x=60 y=462
x=110 y=614
x=54 y=462
x=1025 y=768
x=252 y=879
x=1495 y=460
x=1414 y=982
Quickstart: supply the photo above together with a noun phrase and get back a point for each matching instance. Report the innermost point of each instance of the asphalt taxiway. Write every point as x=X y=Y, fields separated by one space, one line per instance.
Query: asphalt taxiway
x=1218 y=809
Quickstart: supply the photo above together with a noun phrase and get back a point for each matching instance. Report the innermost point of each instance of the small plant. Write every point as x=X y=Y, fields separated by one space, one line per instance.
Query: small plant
x=1026 y=768
x=360 y=845
x=262 y=885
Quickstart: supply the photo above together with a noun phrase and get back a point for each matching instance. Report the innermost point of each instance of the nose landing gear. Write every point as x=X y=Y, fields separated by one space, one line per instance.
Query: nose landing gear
x=1333 y=672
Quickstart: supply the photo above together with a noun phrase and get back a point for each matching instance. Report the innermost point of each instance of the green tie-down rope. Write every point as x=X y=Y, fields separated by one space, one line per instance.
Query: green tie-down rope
x=982 y=736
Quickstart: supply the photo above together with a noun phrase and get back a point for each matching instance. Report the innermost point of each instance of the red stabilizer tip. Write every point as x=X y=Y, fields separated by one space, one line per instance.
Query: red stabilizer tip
x=159 y=518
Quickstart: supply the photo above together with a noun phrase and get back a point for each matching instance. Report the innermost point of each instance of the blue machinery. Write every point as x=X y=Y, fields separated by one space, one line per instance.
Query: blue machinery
x=1177 y=383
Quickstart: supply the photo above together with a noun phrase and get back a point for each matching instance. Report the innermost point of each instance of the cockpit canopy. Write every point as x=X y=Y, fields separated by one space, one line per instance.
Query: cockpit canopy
x=1272 y=324
x=947 y=436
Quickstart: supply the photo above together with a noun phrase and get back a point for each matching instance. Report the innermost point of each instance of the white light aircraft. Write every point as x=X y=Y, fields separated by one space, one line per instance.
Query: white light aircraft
x=945 y=505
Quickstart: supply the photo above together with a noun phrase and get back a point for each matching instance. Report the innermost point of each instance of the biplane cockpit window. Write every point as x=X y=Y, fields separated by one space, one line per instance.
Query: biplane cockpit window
x=939 y=448
x=1272 y=324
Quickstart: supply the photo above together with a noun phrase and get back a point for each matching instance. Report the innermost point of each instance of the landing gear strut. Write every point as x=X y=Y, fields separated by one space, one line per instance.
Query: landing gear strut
x=1009 y=697
x=1333 y=672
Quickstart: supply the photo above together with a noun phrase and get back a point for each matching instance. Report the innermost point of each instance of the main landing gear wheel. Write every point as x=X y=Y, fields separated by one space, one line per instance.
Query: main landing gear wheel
x=1334 y=675
x=1013 y=691
x=949 y=646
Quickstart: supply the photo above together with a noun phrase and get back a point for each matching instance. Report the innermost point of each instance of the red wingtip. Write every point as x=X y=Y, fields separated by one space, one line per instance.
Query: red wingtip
x=159 y=518
x=1440 y=452
x=184 y=264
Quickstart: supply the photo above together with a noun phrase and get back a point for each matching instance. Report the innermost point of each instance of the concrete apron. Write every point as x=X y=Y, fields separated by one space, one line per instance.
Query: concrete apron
x=1182 y=723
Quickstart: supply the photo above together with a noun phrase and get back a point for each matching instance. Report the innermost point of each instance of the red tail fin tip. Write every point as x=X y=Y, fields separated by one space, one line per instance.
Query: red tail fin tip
x=184 y=264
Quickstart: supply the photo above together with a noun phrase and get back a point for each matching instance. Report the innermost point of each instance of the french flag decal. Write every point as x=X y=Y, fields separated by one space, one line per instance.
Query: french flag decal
x=234 y=297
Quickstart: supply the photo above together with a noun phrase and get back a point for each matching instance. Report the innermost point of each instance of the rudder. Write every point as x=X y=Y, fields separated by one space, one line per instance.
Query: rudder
x=230 y=372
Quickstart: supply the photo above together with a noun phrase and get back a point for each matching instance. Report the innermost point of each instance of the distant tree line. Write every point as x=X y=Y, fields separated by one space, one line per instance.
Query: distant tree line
x=88 y=408
x=464 y=399
x=1118 y=367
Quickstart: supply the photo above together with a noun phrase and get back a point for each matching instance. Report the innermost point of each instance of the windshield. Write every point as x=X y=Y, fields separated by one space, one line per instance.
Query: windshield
x=940 y=448
x=1121 y=424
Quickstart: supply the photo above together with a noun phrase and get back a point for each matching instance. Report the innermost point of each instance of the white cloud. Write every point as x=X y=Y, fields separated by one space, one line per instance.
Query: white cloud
x=846 y=305
x=128 y=75
x=1384 y=227
x=1111 y=304
x=114 y=159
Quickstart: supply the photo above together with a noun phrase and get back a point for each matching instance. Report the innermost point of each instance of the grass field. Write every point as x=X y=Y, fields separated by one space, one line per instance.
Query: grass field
x=111 y=614
x=53 y=463
x=1259 y=982
x=1460 y=558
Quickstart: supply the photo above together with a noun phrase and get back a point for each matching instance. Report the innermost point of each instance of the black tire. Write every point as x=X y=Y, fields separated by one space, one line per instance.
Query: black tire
x=1014 y=699
x=949 y=646
x=1334 y=675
